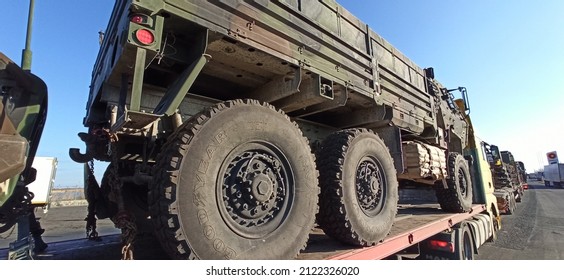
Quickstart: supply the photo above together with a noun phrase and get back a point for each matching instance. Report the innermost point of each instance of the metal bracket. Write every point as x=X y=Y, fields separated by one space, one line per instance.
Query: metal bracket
x=178 y=90
x=134 y=120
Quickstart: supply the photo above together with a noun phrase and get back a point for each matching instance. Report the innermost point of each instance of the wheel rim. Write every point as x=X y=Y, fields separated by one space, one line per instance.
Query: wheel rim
x=370 y=185
x=462 y=182
x=255 y=189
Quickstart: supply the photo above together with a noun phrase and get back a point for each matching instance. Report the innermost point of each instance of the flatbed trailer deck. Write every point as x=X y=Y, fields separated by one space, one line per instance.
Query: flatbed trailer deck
x=414 y=223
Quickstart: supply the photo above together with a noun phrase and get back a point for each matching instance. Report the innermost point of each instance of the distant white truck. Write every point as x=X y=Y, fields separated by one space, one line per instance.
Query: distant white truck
x=554 y=175
x=45 y=179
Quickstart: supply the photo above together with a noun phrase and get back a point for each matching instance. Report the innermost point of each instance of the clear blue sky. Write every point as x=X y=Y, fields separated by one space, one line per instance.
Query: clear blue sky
x=508 y=54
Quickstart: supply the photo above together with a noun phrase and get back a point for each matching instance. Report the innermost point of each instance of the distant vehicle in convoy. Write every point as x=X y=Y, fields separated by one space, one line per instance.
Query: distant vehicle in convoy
x=233 y=128
x=554 y=175
x=508 y=178
x=515 y=173
x=540 y=176
x=522 y=172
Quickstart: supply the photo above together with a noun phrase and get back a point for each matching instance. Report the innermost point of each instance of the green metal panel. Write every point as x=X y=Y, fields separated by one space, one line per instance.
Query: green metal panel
x=270 y=51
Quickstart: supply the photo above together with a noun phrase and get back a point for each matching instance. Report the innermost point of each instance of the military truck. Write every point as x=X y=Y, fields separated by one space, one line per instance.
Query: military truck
x=231 y=128
x=522 y=171
x=507 y=179
x=23 y=112
x=515 y=173
x=523 y=176
x=421 y=231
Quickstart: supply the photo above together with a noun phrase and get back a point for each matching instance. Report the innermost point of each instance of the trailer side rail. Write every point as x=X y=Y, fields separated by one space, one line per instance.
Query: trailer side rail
x=408 y=238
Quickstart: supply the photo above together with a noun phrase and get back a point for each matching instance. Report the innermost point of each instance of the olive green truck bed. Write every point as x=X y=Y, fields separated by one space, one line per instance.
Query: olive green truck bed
x=312 y=59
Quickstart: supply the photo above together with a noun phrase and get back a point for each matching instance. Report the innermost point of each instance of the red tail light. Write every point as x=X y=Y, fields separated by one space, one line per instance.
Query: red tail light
x=441 y=245
x=139 y=19
x=145 y=36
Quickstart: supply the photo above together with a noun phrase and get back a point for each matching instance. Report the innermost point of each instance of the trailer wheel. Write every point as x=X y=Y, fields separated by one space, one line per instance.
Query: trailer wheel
x=519 y=197
x=464 y=249
x=496 y=222
x=456 y=245
x=237 y=181
x=457 y=197
x=512 y=205
x=359 y=188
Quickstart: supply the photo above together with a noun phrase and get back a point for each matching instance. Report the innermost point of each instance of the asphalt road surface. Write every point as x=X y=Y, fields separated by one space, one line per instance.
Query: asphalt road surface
x=60 y=224
x=535 y=231
x=65 y=232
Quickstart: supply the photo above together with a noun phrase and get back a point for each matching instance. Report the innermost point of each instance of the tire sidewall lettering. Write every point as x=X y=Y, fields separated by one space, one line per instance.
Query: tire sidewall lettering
x=209 y=233
x=200 y=197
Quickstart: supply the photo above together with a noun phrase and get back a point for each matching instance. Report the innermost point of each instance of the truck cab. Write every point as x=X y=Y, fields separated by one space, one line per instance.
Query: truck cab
x=462 y=241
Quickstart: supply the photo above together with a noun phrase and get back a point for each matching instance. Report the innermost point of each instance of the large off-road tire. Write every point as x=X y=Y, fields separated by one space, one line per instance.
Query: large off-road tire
x=457 y=197
x=237 y=181
x=359 y=187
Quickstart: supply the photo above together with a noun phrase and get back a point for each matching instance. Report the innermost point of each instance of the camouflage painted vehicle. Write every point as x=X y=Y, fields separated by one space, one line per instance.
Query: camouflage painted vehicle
x=232 y=127
x=23 y=112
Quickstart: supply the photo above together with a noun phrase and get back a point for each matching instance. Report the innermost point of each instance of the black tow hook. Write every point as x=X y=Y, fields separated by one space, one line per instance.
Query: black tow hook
x=75 y=153
x=79 y=157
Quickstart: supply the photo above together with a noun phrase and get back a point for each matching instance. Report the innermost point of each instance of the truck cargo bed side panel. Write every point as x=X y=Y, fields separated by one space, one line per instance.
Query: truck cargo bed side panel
x=322 y=37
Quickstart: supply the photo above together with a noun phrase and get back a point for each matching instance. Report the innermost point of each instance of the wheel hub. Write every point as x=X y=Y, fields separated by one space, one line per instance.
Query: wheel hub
x=369 y=186
x=374 y=185
x=261 y=188
x=462 y=182
x=254 y=191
